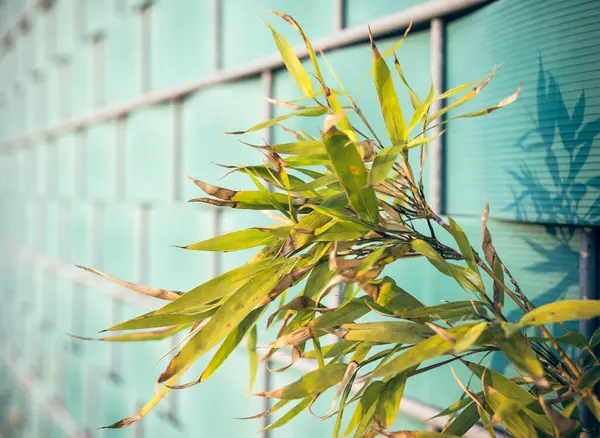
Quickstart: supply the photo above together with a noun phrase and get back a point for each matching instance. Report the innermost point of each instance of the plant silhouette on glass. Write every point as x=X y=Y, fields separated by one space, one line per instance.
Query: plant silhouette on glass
x=348 y=204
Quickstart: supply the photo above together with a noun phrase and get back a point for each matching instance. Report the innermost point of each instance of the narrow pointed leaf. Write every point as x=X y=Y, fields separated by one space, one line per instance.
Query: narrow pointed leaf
x=292 y=63
x=311 y=383
x=234 y=241
x=560 y=311
x=237 y=307
x=352 y=174
x=388 y=99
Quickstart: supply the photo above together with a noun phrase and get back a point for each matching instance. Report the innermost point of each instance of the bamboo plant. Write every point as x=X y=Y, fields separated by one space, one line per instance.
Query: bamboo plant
x=347 y=205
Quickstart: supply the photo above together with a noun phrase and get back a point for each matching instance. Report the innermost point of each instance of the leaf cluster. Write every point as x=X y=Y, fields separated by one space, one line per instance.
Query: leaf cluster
x=348 y=204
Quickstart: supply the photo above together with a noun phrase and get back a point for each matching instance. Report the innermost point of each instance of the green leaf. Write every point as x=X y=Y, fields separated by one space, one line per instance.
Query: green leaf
x=463 y=244
x=420 y=111
x=519 y=353
x=420 y=434
x=465 y=277
x=307 y=147
x=420 y=141
x=388 y=332
x=368 y=405
x=214 y=289
x=153 y=320
x=311 y=383
x=451 y=310
x=307 y=43
x=313 y=112
x=292 y=63
x=570 y=338
x=588 y=379
x=383 y=163
x=388 y=99
x=560 y=311
x=340 y=217
x=470 y=338
x=347 y=313
x=235 y=241
x=155 y=335
x=231 y=342
x=291 y=414
x=464 y=99
x=226 y=318
x=252 y=357
x=331 y=350
x=510 y=413
x=502 y=384
x=414 y=99
x=425 y=350
x=352 y=174
x=464 y=421
x=595 y=339
x=388 y=404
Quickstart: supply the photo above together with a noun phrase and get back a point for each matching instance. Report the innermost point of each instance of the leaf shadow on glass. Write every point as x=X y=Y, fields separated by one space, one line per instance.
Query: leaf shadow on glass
x=559 y=200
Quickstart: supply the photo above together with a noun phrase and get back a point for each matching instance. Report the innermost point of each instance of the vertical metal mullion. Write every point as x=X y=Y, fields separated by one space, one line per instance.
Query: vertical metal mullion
x=338 y=15
x=589 y=284
x=142 y=243
x=99 y=72
x=80 y=166
x=145 y=46
x=267 y=82
x=115 y=348
x=436 y=153
x=176 y=150
x=65 y=89
x=217 y=35
x=120 y=145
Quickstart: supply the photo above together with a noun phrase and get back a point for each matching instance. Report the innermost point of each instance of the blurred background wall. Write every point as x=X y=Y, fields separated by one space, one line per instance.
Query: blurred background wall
x=104 y=104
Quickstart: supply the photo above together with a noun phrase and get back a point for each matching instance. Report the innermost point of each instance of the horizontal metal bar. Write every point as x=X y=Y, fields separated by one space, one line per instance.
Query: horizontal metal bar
x=52 y=406
x=77 y=275
x=420 y=14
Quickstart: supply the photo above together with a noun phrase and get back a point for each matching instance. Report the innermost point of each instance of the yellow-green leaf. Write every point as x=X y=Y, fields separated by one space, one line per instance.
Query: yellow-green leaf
x=387 y=331
x=291 y=414
x=292 y=63
x=388 y=99
x=464 y=421
x=425 y=350
x=234 y=241
x=311 y=383
x=252 y=357
x=231 y=342
x=306 y=147
x=313 y=112
x=352 y=174
x=560 y=311
x=420 y=111
x=388 y=404
x=383 y=163
x=226 y=318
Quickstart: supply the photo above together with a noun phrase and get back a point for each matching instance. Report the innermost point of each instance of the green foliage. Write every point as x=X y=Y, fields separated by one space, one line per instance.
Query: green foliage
x=349 y=205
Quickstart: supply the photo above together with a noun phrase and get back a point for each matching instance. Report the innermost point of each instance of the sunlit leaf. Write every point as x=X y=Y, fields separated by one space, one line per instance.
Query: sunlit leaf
x=388 y=99
x=237 y=307
x=291 y=414
x=352 y=174
x=292 y=63
x=560 y=311
x=234 y=241
x=311 y=383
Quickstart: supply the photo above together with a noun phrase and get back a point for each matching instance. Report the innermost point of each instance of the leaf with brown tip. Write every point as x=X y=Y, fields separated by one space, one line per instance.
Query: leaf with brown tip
x=154 y=292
